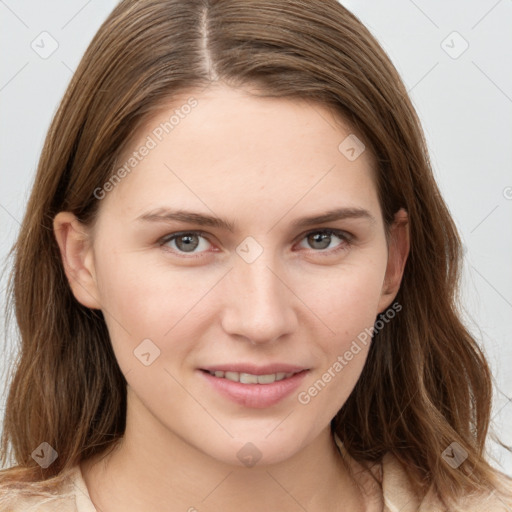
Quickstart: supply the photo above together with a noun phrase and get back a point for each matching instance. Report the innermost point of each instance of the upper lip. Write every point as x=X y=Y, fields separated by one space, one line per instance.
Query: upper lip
x=254 y=369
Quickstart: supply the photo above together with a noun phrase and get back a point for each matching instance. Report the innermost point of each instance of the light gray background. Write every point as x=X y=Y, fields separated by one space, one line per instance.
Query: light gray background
x=464 y=100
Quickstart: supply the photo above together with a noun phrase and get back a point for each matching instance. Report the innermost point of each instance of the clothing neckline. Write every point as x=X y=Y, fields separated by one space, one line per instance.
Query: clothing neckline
x=82 y=498
x=369 y=480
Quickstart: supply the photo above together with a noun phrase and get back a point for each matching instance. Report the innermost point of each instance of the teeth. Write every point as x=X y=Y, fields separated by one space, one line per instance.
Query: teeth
x=266 y=379
x=234 y=376
x=249 y=378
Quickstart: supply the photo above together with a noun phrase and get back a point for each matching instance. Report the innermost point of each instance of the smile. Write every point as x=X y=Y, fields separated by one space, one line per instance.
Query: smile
x=249 y=378
x=258 y=390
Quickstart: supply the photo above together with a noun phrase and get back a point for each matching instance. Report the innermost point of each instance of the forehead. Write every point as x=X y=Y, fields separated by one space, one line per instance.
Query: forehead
x=228 y=148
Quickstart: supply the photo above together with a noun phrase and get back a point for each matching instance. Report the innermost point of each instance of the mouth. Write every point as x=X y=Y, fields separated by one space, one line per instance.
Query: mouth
x=255 y=387
x=251 y=378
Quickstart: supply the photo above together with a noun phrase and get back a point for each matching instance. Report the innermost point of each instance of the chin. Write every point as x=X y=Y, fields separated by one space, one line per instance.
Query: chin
x=257 y=450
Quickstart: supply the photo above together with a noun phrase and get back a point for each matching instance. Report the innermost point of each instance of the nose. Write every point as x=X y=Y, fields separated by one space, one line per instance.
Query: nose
x=259 y=306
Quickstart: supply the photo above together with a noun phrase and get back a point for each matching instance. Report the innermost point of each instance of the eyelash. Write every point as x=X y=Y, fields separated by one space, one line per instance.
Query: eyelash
x=345 y=237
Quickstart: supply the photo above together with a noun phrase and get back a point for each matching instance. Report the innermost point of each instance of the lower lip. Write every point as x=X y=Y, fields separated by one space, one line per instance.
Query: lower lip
x=257 y=396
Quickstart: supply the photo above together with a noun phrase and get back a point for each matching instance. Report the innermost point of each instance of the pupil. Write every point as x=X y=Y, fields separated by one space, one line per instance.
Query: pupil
x=321 y=237
x=188 y=241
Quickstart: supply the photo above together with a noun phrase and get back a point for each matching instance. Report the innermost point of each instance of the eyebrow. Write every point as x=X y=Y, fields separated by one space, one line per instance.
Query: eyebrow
x=169 y=215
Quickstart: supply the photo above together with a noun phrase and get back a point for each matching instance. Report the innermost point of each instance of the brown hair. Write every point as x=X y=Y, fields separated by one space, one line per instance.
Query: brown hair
x=426 y=382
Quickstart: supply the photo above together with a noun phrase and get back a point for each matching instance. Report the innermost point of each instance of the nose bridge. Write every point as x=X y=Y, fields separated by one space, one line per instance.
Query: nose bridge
x=260 y=281
x=259 y=305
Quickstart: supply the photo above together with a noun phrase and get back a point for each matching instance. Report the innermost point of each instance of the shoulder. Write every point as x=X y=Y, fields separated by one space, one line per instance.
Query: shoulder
x=71 y=496
x=388 y=487
x=398 y=494
x=17 y=502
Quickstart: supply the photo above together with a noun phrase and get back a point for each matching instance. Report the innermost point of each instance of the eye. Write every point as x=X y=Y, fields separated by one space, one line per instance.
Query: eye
x=186 y=241
x=321 y=240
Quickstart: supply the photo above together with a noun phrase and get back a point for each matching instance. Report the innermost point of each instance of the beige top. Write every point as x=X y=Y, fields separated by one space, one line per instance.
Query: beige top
x=393 y=494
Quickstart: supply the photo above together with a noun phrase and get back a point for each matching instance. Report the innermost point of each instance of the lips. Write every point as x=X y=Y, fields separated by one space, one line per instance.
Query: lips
x=254 y=386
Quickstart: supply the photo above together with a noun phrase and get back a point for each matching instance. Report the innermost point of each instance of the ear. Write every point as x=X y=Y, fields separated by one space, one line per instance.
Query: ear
x=77 y=258
x=398 y=252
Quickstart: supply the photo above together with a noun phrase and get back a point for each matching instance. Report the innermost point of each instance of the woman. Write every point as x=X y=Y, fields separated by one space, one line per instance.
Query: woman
x=236 y=280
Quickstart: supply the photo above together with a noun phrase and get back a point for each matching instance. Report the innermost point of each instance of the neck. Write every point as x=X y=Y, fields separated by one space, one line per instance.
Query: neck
x=152 y=468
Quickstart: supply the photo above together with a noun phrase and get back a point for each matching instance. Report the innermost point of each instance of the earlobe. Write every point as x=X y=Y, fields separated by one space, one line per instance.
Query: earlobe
x=398 y=251
x=77 y=258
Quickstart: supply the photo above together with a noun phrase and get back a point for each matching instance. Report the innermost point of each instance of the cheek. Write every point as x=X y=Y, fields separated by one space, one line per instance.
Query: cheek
x=144 y=294
x=348 y=306
x=141 y=302
x=347 y=299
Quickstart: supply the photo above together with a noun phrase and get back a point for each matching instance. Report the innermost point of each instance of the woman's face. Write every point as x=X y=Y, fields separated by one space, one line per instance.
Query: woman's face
x=247 y=285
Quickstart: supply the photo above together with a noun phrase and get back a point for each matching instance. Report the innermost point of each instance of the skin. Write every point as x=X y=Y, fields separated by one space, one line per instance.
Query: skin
x=260 y=163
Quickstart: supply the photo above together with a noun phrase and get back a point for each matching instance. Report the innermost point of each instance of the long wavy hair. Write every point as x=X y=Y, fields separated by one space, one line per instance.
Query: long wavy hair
x=426 y=382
